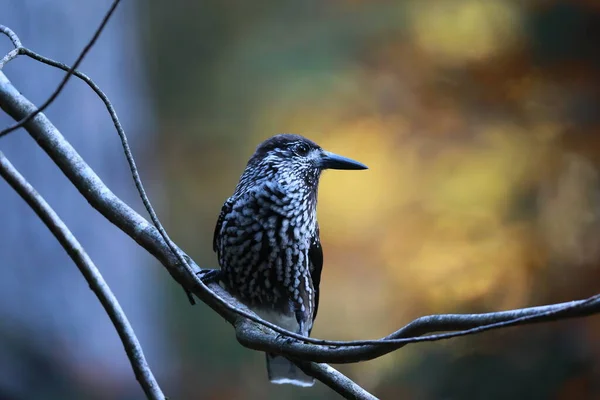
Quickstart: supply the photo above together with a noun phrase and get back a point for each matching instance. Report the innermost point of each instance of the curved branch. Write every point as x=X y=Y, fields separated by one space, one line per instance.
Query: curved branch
x=341 y=352
x=15 y=41
x=12 y=36
x=92 y=275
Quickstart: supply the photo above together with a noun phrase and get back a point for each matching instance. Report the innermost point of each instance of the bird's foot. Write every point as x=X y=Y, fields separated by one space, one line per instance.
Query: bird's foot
x=285 y=338
x=208 y=276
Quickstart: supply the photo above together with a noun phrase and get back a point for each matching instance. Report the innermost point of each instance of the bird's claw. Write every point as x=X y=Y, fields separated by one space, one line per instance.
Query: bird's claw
x=284 y=337
x=208 y=276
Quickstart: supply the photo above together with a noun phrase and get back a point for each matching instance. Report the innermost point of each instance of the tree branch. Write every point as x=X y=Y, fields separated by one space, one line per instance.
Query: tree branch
x=91 y=274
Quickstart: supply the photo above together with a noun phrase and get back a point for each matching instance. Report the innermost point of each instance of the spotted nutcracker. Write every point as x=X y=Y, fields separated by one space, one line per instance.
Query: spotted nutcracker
x=267 y=239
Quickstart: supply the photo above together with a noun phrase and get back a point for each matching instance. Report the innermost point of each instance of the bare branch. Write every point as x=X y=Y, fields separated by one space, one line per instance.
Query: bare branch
x=11 y=35
x=67 y=76
x=90 y=272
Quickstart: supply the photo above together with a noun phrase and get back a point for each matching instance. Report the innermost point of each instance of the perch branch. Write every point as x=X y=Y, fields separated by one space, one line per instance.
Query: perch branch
x=91 y=274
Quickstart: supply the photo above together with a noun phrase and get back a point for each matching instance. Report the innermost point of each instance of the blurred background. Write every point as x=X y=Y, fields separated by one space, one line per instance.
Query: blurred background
x=479 y=121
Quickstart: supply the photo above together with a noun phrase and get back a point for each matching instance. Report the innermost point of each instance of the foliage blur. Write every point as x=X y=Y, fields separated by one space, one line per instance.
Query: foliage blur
x=479 y=122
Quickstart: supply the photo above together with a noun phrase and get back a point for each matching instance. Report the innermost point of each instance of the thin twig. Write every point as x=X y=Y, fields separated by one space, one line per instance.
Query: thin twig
x=9 y=56
x=67 y=76
x=90 y=272
x=181 y=257
x=11 y=35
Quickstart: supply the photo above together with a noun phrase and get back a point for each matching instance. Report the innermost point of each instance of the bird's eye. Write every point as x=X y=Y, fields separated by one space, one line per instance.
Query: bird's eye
x=301 y=149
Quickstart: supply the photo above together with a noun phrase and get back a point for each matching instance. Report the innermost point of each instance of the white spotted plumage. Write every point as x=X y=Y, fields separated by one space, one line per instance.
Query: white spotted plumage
x=267 y=238
x=268 y=227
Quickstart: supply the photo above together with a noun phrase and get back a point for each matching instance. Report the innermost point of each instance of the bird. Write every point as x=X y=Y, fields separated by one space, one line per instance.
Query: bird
x=267 y=239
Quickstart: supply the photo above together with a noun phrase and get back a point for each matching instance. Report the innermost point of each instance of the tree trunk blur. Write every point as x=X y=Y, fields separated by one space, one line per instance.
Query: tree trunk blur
x=55 y=339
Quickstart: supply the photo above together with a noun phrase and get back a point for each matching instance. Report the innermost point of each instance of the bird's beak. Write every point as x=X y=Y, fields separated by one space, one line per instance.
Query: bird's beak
x=330 y=160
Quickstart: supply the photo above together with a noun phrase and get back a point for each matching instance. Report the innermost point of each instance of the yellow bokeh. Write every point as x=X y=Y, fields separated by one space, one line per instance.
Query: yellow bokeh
x=466 y=30
x=351 y=202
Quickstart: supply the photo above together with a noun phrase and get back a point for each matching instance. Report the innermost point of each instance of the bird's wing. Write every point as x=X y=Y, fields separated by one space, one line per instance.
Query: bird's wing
x=226 y=209
x=315 y=257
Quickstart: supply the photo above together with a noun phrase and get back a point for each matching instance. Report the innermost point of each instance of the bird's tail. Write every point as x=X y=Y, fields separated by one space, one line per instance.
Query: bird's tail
x=282 y=371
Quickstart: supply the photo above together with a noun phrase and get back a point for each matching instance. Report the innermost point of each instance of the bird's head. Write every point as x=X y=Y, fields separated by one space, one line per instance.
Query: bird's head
x=293 y=159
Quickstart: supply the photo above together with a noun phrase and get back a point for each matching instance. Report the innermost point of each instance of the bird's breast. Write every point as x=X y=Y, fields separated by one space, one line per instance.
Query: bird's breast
x=264 y=250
